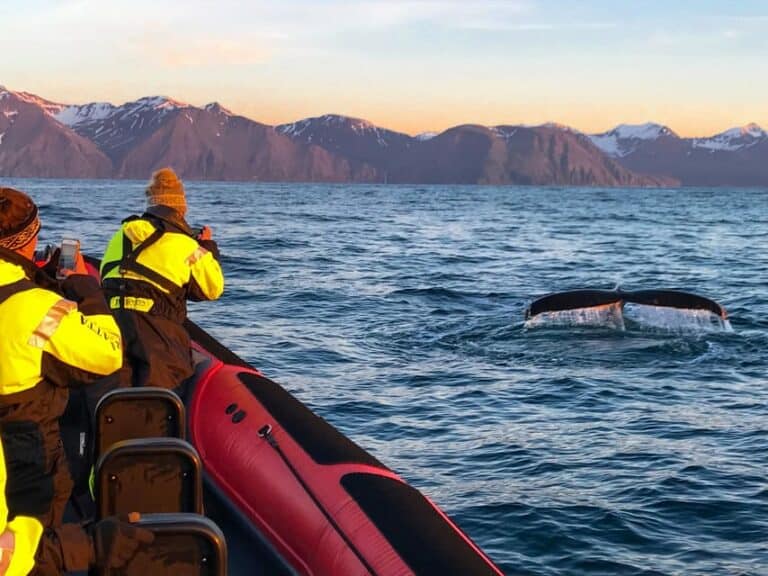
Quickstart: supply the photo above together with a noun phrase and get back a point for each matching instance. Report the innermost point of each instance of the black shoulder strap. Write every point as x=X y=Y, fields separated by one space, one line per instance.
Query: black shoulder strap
x=14 y=288
x=130 y=254
x=107 y=267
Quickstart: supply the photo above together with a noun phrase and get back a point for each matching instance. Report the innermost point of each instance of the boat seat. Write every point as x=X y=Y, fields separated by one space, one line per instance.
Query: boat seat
x=130 y=413
x=149 y=475
x=184 y=545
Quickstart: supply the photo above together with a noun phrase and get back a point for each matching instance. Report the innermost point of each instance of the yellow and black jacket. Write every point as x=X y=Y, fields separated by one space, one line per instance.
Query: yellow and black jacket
x=25 y=547
x=151 y=267
x=154 y=264
x=51 y=340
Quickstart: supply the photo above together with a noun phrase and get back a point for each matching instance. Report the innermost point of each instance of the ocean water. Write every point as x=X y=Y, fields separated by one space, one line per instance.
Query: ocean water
x=396 y=313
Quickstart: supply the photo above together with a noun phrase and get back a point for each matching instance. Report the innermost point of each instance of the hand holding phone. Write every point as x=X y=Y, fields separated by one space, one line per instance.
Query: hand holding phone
x=70 y=259
x=44 y=255
x=205 y=233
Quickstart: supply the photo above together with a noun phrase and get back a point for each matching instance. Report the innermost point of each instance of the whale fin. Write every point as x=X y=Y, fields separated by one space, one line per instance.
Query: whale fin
x=571 y=300
x=674 y=299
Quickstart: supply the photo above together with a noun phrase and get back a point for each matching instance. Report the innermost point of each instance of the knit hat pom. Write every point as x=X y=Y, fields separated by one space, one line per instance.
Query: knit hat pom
x=167 y=189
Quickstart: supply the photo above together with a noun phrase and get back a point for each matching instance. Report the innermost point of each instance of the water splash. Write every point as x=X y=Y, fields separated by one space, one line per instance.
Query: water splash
x=619 y=316
x=606 y=316
x=666 y=319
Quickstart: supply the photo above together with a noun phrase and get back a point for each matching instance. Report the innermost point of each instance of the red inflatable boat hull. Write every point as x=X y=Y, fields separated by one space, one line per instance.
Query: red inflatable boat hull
x=326 y=506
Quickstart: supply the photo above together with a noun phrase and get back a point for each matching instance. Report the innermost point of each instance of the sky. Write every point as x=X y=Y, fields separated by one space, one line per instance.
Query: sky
x=697 y=66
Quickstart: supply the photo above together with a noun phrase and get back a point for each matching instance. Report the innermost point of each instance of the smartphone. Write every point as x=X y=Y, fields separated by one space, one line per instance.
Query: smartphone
x=67 y=256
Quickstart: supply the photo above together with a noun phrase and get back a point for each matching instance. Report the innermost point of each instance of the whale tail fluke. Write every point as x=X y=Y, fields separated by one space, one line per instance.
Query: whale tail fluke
x=579 y=299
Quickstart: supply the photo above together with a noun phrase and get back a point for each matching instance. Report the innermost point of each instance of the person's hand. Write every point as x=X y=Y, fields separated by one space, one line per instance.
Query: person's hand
x=80 y=267
x=205 y=233
x=117 y=539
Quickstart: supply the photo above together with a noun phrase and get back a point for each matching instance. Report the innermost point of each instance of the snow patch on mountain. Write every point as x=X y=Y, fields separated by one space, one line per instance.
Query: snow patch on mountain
x=156 y=107
x=738 y=138
x=556 y=126
x=505 y=131
x=75 y=115
x=217 y=108
x=307 y=127
x=625 y=138
x=114 y=128
x=328 y=120
x=156 y=103
x=424 y=136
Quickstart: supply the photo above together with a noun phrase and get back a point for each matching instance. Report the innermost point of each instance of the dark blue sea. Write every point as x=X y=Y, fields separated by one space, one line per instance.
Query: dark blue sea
x=396 y=313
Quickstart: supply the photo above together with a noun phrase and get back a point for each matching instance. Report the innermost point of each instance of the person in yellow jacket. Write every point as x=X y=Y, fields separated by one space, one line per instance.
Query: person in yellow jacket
x=151 y=267
x=19 y=538
x=26 y=549
x=55 y=335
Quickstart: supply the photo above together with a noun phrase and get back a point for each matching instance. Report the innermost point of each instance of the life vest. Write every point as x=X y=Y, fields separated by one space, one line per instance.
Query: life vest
x=152 y=261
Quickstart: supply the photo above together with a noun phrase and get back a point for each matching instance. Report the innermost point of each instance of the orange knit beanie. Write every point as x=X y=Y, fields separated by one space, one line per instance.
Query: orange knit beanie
x=167 y=190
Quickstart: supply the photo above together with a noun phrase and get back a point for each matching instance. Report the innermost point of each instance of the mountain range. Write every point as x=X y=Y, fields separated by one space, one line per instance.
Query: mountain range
x=736 y=157
x=41 y=138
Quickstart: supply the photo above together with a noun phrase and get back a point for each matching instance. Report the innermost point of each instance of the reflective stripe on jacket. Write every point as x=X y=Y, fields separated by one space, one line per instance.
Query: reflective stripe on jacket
x=19 y=538
x=44 y=334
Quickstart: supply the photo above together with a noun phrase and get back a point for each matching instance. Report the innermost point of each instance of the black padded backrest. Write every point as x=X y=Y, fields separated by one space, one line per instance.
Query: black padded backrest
x=151 y=475
x=130 y=413
x=184 y=545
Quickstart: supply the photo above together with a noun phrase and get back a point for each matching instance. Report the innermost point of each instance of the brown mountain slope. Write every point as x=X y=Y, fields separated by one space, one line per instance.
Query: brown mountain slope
x=735 y=157
x=212 y=144
x=355 y=139
x=544 y=155
x=696 y=166
x=33 y=144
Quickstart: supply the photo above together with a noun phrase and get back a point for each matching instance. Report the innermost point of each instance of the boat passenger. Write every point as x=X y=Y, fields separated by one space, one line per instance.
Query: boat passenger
x=19 y=537
x=56 y=336
x=25 y=548
x=151 y=267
